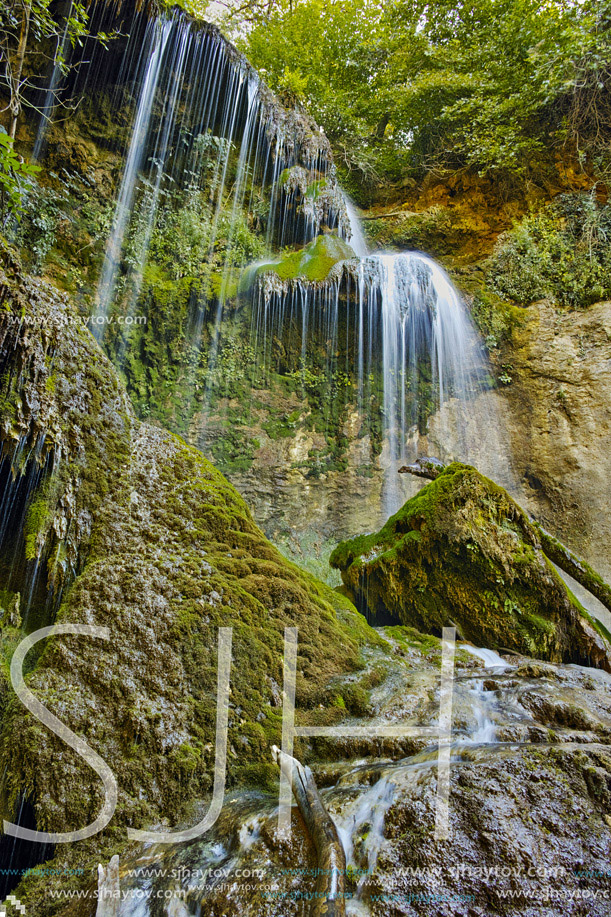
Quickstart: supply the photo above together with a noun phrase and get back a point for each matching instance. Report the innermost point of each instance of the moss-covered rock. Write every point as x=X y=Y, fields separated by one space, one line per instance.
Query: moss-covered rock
x=163 y=551
x=313 y=263
x=462 y=551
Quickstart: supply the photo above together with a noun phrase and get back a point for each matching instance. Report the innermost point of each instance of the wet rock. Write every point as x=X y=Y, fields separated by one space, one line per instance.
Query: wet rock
x=424 y=467
x=144 y=536
x=528 y=835
x=530 y=825
x=463 y=552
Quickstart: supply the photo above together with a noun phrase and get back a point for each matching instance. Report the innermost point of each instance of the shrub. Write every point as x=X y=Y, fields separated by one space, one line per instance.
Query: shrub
x=561 y=253
x=16 y=177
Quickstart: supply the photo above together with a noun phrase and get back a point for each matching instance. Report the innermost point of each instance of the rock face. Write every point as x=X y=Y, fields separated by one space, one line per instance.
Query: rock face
x=462 y=551
x=560 y=422
x=134 y=530
x=495 y=863
x=529 y=806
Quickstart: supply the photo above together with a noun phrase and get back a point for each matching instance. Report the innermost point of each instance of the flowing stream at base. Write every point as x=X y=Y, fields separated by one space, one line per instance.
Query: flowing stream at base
x=492 y=720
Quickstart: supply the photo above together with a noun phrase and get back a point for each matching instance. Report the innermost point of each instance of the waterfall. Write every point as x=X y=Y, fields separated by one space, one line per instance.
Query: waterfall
x=397 y=326
x=160 y=33
x=46 y=109
x=204 y=129
x=384 y=334
x=357 y=236
x=490 y=658
x=425 y=337
x=483 y=700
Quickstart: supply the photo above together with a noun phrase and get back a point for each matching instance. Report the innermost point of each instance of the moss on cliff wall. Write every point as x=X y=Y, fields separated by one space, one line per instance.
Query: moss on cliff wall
x=163 y=552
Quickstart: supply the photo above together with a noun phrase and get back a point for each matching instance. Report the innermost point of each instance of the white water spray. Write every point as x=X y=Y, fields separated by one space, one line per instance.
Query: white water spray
x=357 y=236
x=106 y=287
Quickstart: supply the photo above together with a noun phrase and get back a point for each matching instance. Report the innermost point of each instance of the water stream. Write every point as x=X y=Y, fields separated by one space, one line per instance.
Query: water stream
x=392 y=322
x=493 y=718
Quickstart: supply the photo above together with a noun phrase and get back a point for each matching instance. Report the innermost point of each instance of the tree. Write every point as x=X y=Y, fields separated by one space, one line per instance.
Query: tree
x=43 y=31
x=409 y=86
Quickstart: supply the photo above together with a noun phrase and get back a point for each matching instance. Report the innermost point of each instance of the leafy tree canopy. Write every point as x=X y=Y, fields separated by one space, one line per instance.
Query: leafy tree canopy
x=408 y=85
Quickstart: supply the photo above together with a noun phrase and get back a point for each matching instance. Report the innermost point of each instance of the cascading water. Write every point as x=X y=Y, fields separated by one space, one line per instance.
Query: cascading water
x=392 y=334
x=483 y=703
x=46 y=109
x=395 y=324
x=208 y=150
x=160 y=33
x=425 y=337
x=357 y=236
x=205 y=125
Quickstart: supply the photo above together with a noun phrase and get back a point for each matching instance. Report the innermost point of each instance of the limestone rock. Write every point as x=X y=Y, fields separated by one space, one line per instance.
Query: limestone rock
x=462 y=551
x=424 y=467
x=159 y=548
x=559 y=421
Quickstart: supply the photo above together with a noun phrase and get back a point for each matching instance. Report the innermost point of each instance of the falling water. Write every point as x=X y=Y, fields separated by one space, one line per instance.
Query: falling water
x=160 y=30
x=425 y=336
x=397 y=326
x=357 y=236
x=483 y=701
x=490 y=658
x=204 y=124
x=206 y=133
x=48 y=104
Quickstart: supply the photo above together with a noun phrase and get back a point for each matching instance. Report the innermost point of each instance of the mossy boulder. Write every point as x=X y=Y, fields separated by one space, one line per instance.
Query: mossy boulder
x=463 y=552
x=163 y=551
x=312 y=263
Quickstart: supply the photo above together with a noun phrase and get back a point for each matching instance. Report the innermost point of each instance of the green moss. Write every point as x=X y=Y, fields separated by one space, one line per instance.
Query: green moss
x=598 y=626
x=311 y=263
x=409 y=637
x=169 y=554
x=495 y=318
x=356 y=699
x=462 y=551
x=35 y=522
x=282 y=427
x=575 y=566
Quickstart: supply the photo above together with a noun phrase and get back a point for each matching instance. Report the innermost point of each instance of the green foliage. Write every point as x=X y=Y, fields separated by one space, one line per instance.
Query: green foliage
x=42 y=210
x=326 y=55
x=16 y=179
x=178 y=270
x=493 y=317
x=234 y=451
x=311 y=263
x=561 y=253
x=282 y=427
x=488 y=84
x=189 y=242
